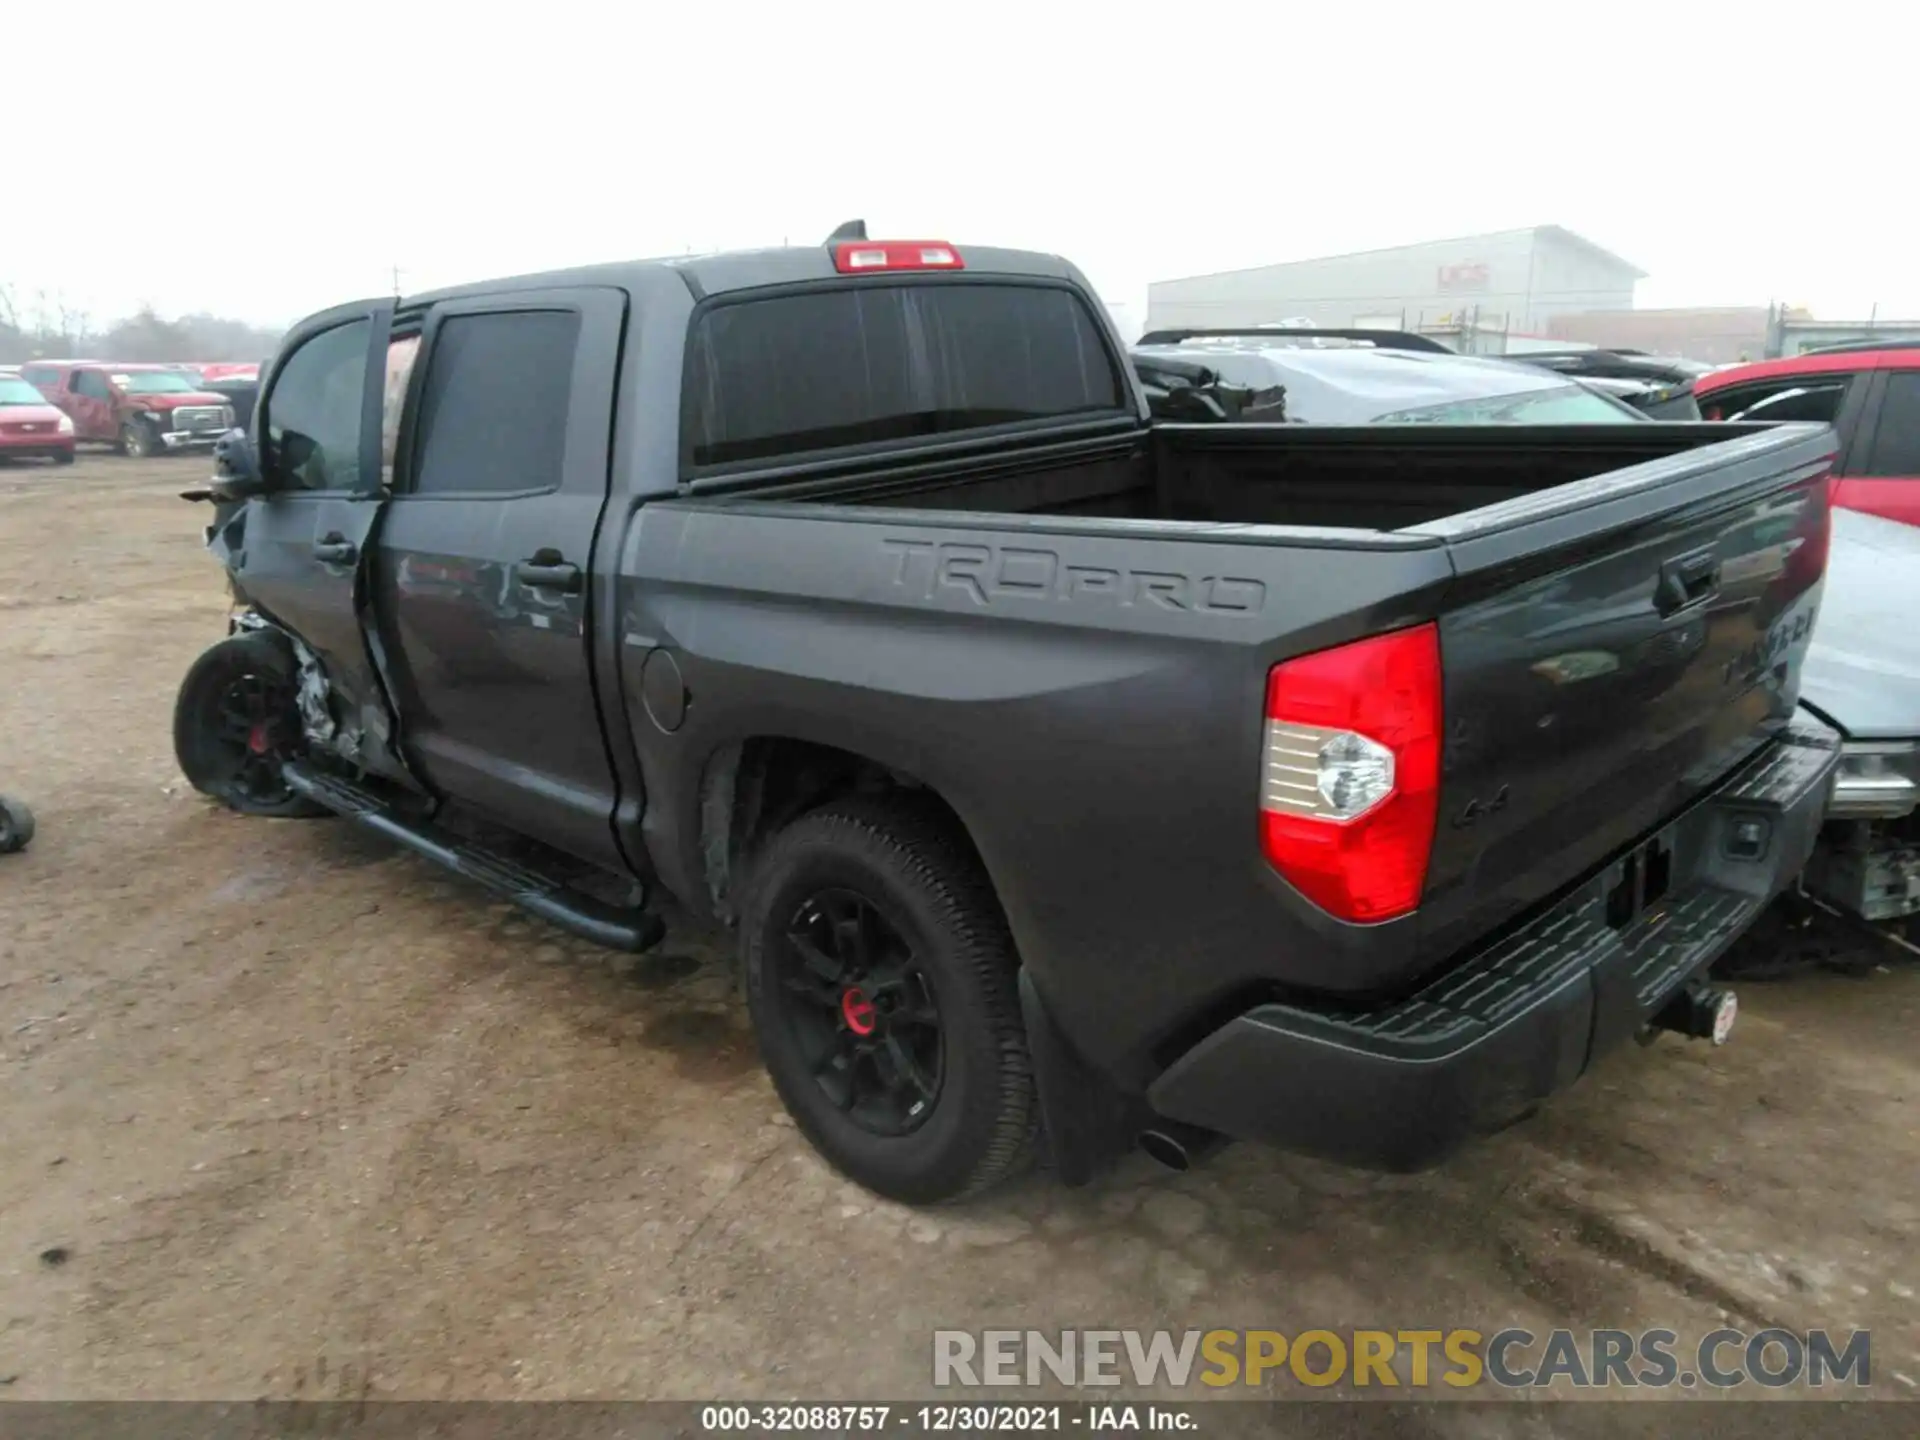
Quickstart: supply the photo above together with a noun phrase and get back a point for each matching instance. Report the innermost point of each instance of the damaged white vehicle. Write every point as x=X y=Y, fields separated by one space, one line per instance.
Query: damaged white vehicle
x=1863 y=677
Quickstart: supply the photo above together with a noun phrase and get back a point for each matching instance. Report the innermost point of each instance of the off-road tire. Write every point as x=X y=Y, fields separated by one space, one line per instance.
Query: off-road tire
x=63 y=457
x=207 y=758
x=923 y=878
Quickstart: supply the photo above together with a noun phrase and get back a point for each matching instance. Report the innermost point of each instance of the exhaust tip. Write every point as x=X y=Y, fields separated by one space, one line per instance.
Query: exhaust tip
x=1168 y=1149
x=1178 y=1145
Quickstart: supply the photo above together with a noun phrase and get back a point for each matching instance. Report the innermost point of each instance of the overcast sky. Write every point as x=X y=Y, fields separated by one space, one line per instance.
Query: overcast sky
x=1735 y=158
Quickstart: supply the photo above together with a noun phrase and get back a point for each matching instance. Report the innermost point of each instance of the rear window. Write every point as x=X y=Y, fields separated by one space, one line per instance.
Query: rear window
x=1801 y=397
x=864 y=365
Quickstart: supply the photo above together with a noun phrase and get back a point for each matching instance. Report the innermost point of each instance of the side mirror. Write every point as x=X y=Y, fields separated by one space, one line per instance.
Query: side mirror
x=236 y=468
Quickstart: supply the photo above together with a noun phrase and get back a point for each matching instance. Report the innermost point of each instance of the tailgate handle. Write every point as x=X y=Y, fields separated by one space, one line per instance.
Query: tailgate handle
x=1687 y=580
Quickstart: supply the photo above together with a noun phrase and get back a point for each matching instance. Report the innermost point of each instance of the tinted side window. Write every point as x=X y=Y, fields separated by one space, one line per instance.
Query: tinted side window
x=868 y=364
x=1804 y=397
x=1818 y=401
x=92 y=384
x=493 y=409
x=311 y=417
x=1896 y=439
x=1725 y=404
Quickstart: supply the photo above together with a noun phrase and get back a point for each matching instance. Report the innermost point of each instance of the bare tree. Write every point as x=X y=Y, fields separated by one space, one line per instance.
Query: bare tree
x=13 y=343
x=54 y=326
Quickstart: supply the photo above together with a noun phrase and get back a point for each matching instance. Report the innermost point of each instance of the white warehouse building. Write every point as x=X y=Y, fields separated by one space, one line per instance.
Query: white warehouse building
x=1509 y=281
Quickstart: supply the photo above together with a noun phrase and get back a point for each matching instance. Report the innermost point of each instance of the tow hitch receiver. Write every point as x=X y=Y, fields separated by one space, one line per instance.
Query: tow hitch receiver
x=1700 y=1012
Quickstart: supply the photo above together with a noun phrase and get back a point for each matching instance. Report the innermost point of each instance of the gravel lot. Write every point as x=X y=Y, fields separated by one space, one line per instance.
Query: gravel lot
x=287 y=1113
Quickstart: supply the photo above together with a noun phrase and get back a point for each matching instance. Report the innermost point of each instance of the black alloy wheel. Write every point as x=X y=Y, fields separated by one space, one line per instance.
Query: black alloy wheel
x=882 y=983
x=237 y=722
x=253 y=716
x=867 y=1020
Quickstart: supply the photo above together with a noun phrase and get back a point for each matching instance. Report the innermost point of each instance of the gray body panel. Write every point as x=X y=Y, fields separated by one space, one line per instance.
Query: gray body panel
x=1102 y=746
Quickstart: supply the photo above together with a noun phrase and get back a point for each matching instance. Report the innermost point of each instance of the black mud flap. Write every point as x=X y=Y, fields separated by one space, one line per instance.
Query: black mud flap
x=1089 y=1122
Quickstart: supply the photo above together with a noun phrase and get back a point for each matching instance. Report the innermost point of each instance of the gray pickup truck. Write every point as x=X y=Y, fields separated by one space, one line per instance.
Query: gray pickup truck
x=1066 y=773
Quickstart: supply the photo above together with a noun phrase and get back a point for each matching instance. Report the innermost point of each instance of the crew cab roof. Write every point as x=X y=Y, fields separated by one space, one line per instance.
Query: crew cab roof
x=742 y=270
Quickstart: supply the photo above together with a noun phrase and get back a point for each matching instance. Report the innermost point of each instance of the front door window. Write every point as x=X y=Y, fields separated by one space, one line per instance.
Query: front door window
x=311 y=418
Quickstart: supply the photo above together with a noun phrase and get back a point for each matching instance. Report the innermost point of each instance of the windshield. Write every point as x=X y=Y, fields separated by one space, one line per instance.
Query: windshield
x=156 y=382
x=1560 y=405
x=19 y=392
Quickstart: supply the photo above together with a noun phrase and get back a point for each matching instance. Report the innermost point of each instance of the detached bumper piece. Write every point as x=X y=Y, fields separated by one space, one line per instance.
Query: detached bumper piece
x=1867 y=869
x=551 y=899
x=1401 y=1087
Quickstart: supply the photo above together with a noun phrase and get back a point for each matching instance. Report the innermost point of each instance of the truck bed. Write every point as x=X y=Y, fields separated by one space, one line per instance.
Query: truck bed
x=1071 y=645
x=1378 y=478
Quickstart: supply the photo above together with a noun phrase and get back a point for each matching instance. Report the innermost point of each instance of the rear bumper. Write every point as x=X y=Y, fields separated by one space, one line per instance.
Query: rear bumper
x=1402 y=1086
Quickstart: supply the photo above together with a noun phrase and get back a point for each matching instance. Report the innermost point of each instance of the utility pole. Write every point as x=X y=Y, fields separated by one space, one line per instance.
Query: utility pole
x=396 y=282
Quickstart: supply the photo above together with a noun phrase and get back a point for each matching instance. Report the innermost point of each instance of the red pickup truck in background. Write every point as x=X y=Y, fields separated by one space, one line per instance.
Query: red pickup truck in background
x=143 y=409
x=223 y=369
x=1869 y=391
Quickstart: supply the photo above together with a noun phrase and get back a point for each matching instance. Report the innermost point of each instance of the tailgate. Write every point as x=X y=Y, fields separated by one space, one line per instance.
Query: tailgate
x=1611 y=649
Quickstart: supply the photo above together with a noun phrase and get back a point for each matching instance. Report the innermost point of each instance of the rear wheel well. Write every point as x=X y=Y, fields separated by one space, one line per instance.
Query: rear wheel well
x=755 y=788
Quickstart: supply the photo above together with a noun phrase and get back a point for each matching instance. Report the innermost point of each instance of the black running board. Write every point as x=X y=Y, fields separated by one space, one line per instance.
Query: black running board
x=553 y=901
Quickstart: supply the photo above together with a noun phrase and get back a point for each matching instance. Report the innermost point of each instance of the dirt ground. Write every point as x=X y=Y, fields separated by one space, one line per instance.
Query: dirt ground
x=288 y=1113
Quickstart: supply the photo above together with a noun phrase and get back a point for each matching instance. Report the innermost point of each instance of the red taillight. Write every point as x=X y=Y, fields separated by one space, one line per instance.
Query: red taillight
x=1352 y=773
x=857 y=257
x=1813 y=536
